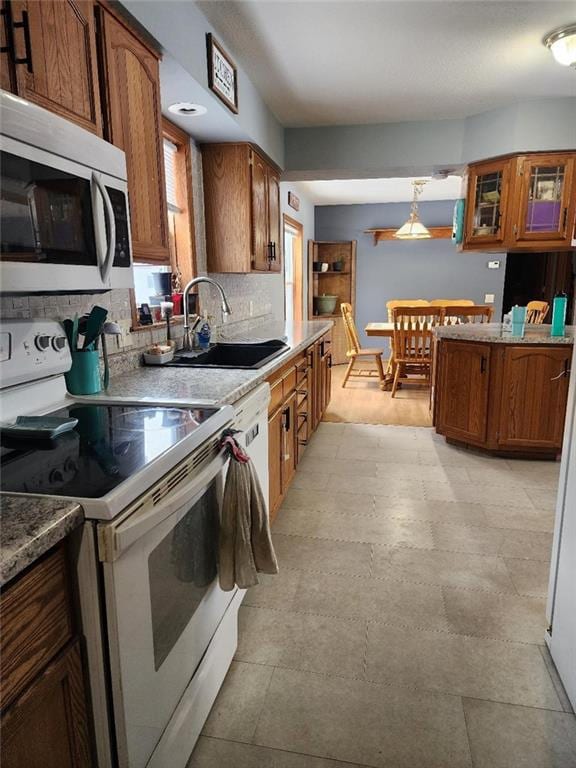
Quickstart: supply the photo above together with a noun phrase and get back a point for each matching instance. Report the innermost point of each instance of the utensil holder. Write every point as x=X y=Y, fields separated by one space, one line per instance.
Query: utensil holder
x=83 y=378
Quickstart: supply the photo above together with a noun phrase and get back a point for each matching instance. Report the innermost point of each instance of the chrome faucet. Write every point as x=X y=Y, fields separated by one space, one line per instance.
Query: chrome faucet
x=224 y=306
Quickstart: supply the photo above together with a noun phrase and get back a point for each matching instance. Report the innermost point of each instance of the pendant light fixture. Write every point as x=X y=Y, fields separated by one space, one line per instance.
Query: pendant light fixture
x=413 y=229
x=562 y=44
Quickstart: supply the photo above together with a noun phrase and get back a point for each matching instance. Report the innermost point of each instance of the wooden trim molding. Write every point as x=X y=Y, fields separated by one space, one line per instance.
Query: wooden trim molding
x=438 y=233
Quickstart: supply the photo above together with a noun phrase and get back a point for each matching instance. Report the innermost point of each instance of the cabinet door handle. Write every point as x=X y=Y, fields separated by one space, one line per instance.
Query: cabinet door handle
x=565 y=372
x=565 y=219
x=10 y=47
x=483 y=365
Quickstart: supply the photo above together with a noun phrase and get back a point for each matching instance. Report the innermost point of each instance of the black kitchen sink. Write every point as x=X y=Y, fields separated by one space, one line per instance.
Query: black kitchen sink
x=231 y=355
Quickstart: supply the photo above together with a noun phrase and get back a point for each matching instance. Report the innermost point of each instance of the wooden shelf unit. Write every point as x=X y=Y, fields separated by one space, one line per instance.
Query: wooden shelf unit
x=335 y=283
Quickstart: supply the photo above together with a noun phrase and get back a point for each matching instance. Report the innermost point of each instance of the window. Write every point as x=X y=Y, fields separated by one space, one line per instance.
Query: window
x=155 y=283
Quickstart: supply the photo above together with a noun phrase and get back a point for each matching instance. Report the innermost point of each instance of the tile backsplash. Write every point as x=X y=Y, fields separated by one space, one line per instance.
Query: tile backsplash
x=254 y=299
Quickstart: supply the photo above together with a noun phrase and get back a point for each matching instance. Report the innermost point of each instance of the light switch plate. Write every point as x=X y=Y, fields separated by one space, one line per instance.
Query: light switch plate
x=493 y=265
x=488 y=298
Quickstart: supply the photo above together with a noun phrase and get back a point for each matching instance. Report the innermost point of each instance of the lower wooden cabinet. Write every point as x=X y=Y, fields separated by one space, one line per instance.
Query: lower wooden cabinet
x=534 y=395
x=464 y=387
x=47 y=727
x=44 y=722
x=506 y=398
x=300 y=392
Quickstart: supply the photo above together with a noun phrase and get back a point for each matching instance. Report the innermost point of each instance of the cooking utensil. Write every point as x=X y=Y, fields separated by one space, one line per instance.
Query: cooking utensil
x=74 y=344
x=94 y=323
x=110 y=329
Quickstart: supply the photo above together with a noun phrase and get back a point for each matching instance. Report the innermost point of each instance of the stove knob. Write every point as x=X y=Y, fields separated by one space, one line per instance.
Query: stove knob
x=59 y=343
x=42 y=342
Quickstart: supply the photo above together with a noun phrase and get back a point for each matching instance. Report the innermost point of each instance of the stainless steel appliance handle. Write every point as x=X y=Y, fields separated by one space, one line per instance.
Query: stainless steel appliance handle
x=118 y=536
x=105 y=260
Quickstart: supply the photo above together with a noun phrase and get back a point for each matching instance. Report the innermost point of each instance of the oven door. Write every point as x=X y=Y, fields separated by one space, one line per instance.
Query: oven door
x=64 y=226
x=163 y=603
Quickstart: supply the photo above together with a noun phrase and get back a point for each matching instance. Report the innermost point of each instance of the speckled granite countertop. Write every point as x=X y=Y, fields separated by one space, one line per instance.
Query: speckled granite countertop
x=29 y=527
x=212 y=385
x=492 y=333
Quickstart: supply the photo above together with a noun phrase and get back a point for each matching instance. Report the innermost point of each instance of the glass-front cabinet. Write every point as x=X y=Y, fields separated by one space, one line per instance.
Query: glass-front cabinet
x=521 y=202
x=546 y=199
x=488 y=192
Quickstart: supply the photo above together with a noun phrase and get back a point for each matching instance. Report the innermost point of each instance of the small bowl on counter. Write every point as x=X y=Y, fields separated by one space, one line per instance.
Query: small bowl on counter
x=160 y=354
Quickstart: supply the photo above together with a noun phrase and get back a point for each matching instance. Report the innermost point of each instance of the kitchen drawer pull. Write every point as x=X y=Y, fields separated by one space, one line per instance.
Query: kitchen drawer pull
x=483 y=365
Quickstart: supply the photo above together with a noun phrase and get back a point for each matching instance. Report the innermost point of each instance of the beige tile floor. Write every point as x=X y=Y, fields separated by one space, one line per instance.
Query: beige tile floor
x=405 y=629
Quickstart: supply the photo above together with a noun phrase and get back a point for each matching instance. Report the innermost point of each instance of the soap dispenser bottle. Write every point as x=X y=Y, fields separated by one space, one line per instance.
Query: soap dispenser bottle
x=204 y=334
x=559 y=307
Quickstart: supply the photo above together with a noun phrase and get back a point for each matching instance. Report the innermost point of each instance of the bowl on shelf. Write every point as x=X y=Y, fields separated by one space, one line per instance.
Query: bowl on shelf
x=326 y=304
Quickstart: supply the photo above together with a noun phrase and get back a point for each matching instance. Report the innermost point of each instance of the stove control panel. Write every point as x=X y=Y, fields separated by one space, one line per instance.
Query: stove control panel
x=31 y=350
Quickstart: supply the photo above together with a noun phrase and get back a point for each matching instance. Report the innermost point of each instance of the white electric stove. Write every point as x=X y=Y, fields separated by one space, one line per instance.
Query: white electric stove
x=160 y=633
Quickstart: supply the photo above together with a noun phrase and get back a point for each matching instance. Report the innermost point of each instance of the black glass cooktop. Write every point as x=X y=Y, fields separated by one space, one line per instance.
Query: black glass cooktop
x=108 y=445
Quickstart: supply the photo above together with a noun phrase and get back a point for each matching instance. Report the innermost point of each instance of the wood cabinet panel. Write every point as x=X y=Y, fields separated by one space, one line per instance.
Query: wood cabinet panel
x=289 y=430
x=134 y=125
x=47 y=727
x=534 y=395
x=545 y=200
x=36 y=623
x=242 y=209
x=273 y=222
x=226 y=173
x=258 y=191
x=487 y=208
x=275 y=439
x=64 y=73
x=464 y=386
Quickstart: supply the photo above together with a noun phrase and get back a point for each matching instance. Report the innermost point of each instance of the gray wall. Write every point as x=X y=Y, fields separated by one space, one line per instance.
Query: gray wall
x=425 y=269
x=180 y=28
x=417 y=148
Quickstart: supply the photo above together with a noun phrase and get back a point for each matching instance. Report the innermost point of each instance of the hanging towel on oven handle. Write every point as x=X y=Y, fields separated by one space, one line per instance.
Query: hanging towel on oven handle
x=245 y=542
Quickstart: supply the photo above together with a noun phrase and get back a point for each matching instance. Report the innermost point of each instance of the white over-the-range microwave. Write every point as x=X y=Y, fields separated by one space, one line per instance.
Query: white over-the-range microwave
x=64 y=218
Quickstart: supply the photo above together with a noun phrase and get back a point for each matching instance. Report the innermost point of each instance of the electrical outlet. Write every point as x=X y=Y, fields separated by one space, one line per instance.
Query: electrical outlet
x=488 y=298
x=493 y=265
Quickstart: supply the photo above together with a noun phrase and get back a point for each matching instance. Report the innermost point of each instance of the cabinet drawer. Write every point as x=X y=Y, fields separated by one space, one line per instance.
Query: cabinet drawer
x=36 y=623
x=301 y=369
x=276 y=396
x=289 y=383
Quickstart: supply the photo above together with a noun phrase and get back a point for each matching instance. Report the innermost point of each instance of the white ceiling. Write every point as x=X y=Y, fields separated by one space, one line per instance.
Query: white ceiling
x=360 y=61
x=351 y=191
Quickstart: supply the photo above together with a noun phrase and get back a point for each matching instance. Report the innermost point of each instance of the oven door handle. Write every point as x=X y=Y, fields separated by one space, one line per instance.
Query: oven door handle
x=105 y=252
x=116 y=537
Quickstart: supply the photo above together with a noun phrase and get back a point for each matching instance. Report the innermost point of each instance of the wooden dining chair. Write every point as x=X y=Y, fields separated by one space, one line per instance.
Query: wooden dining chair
x=451 y=303
x=395 y=303
x=413 y=342
x=536 y=312
x=455 y=314
x=355 y=352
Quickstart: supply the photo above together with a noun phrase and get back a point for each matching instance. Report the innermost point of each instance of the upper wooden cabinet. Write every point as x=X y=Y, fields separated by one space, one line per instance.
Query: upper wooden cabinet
x=242 y=209
x=58 y=42
x=545 y=200
x=487 y=203
x=133 y=123
x=521 y=202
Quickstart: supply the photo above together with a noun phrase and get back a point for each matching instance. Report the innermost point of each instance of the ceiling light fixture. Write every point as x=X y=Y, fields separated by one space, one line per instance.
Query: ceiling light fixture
x=187 y=109
x=562 y=45
x=413 y=229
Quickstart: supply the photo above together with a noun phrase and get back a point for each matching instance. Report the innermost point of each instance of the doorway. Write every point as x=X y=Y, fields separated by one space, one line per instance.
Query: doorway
x=538 y=276
x=293 y=269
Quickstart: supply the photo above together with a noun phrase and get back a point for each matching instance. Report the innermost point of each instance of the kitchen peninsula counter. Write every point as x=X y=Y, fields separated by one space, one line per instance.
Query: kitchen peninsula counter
x=499 y=393
x=213 y=386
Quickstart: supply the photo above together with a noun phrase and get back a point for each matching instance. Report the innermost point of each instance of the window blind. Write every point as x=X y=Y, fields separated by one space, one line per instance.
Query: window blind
x=170 y=151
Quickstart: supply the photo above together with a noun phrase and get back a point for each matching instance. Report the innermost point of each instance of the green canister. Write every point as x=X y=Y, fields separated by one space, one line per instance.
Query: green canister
x=83 y=378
